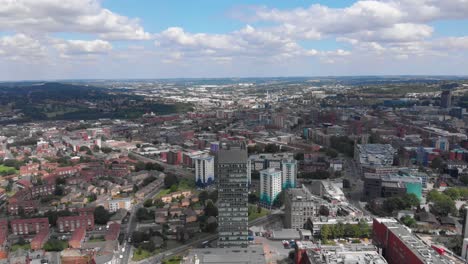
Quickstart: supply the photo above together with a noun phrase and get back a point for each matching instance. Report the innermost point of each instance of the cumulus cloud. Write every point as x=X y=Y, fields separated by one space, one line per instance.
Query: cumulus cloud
x=81 y=16
x=21 y=46
x=81 y=47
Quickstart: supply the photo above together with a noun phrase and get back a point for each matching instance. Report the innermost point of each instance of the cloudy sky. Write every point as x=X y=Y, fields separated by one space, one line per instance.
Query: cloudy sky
x=89 y=39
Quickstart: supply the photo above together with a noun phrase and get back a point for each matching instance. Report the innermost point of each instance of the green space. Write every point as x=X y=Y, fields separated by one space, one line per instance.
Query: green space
x=55 y=245
x=140 y=254
x=257 y=212
x=5 y=170
x=15 y=247
x=173 y=260
x=97 y=239
x=182 y=185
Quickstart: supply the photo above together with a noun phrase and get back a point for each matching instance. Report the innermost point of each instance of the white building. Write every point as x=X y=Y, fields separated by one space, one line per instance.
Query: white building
x=270 y=185
x=204 y=170
x=288 y=174
x=284 y=162
x=116 y=204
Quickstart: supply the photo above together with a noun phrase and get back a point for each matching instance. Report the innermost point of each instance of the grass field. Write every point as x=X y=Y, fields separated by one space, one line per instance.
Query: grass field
x=5 y=170
x=140 y=254
x=184 y=185
x=253 y=213
x=17 y=246
x=173 y=260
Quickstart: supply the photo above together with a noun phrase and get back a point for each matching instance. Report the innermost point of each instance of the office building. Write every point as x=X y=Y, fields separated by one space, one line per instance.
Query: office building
x=446 y=99
x=270 y=185
x=231 y=170
x=391 y=185
x=204 y=171
x=300 y=206
x=399 y=245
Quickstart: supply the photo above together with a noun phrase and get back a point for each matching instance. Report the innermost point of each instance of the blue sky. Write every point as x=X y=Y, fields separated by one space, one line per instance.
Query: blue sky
x=58 y=39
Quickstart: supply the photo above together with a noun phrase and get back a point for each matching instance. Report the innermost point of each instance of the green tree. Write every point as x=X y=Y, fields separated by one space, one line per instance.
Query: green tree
x=148 y=203
x=101 y=215
x=453 y=193
x=203 y=196
x=325 y=232
x=464 y=179
x=408 y=221
x=54 y=245
x=211 y=209
x=437 y=164
x=170 y=180
x=299 y=156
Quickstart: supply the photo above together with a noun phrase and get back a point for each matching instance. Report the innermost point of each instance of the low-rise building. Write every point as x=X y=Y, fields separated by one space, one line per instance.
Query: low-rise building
x=70 y=223
x=29 y=226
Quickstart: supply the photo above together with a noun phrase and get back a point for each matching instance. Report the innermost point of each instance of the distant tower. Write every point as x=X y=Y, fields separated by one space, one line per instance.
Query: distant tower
x=446 y=99
x=233 y=191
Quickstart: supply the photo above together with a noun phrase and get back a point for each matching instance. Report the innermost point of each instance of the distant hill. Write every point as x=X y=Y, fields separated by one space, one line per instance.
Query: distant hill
x=58 y=101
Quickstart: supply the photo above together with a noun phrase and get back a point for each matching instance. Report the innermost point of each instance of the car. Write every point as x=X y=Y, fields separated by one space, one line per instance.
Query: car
x=121 y=256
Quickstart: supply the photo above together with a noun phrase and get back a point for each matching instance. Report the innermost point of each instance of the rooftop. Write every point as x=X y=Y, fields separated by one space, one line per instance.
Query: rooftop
x=251 y=255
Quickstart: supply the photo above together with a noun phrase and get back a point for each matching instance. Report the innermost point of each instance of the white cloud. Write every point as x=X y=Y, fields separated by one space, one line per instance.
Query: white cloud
x=21 y=46
x=80 y=47
x=75 y=16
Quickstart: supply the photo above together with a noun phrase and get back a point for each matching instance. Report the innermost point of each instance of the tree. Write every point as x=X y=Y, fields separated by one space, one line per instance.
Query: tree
x=203 y=196
x=211 y=209
x=325 y=232
x=158 y=203
x=279 y=200
x=101 y=215
x=444 y=206
x=299 y=156
x=331 y=153
x=213 y=196
x=408 y=221
x=253 y=198
x=148 y=203
x=453 y=193
x=170 y=180
x=324 y=210
x=271 y=148
x=54 y=245
x=211 y=227
x=464 y=179
x=437 y=164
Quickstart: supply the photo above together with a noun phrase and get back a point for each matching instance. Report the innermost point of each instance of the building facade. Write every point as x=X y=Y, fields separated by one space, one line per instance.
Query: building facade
x=204 y=171
x=231 y=170
x=270 y=185
x=300 y=206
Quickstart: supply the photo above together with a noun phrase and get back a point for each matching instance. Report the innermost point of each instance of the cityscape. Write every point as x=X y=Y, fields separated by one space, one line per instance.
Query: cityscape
x=126 y=138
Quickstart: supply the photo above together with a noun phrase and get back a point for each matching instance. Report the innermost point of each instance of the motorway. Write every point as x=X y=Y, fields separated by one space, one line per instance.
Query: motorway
x=176 y=251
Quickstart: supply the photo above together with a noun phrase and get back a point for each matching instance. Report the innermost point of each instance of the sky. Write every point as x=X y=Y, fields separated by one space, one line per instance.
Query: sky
x=122 y=39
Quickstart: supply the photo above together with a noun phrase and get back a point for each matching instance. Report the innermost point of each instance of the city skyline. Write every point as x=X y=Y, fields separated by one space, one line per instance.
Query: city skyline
x=147 y=39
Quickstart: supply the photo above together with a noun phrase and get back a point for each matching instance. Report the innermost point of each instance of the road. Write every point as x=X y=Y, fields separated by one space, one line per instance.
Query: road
x=178 y=170
x=176 y=251
x=132 y=223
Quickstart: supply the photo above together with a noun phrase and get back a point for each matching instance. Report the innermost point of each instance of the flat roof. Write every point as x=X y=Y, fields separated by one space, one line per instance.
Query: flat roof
x=253 y=254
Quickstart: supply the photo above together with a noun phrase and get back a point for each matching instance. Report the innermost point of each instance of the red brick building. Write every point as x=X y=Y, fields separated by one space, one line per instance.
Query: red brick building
x=71 y=223
x=77 y=237
x=29 y=226
x=40 y=239
x=399 y=245
x=28 y=207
